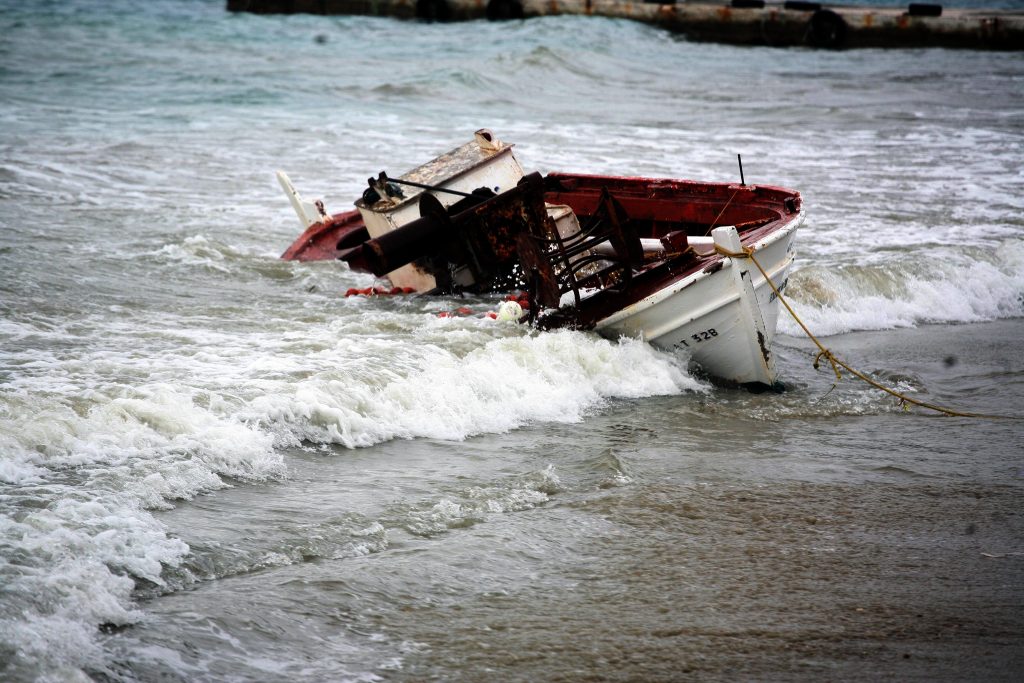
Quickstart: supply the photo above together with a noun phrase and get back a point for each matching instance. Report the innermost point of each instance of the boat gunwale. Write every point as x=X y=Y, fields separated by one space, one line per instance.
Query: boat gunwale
x=652 y=281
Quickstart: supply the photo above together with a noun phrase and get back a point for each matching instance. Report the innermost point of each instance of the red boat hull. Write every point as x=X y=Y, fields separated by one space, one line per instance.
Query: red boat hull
x=657 y=200
x=326 y=241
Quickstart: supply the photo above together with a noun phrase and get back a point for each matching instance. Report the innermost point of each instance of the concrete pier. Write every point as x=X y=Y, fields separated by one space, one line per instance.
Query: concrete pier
x=742 y=22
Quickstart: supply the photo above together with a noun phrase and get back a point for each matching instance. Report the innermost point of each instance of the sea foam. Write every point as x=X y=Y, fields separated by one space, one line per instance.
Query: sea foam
x=433 y=392
x=94 y=443
x=969 y=285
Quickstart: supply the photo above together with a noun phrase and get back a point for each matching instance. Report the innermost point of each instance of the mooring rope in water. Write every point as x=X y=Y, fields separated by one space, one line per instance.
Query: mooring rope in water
x=824 y=352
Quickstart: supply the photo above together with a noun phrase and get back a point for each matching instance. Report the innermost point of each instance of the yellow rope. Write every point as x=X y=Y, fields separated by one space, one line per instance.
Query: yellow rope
x=748 y=252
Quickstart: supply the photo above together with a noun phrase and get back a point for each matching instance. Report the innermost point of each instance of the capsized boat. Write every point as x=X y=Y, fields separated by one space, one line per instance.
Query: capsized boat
x=657 y=258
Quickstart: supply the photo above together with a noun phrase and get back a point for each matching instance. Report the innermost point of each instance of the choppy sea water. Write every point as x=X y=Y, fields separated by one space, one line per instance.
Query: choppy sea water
x=213 y=466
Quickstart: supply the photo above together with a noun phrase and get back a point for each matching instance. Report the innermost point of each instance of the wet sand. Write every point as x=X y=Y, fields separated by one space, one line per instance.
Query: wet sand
x=915 y=581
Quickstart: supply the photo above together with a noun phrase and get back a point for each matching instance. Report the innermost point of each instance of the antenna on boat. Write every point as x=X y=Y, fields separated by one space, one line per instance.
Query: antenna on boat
x=739 y=160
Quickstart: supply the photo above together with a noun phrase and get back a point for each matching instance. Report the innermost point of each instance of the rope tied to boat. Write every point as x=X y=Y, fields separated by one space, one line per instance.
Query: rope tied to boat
x=836 y=363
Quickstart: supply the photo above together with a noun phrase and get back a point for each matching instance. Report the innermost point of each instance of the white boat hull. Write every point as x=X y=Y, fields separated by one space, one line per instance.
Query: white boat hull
x=705 y=314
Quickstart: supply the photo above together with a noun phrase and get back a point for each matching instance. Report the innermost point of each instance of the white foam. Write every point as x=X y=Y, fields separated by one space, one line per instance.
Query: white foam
x=966 y=285
x=437 y=393
x=158 y=436
x=476 y=503
x=80 y=552
x=87 y=465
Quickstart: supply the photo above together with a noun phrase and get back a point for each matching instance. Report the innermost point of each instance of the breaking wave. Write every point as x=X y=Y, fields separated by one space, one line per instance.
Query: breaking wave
x=971 y=285
x=435 y=393
x=91 y=448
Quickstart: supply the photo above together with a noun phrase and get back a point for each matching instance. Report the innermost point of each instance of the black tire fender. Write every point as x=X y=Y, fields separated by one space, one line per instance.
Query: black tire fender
x=826 y=29
x=433 y=10
x=500 y=10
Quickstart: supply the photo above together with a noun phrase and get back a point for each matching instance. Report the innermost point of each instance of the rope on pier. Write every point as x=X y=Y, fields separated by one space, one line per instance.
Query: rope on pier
x=836 y=363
